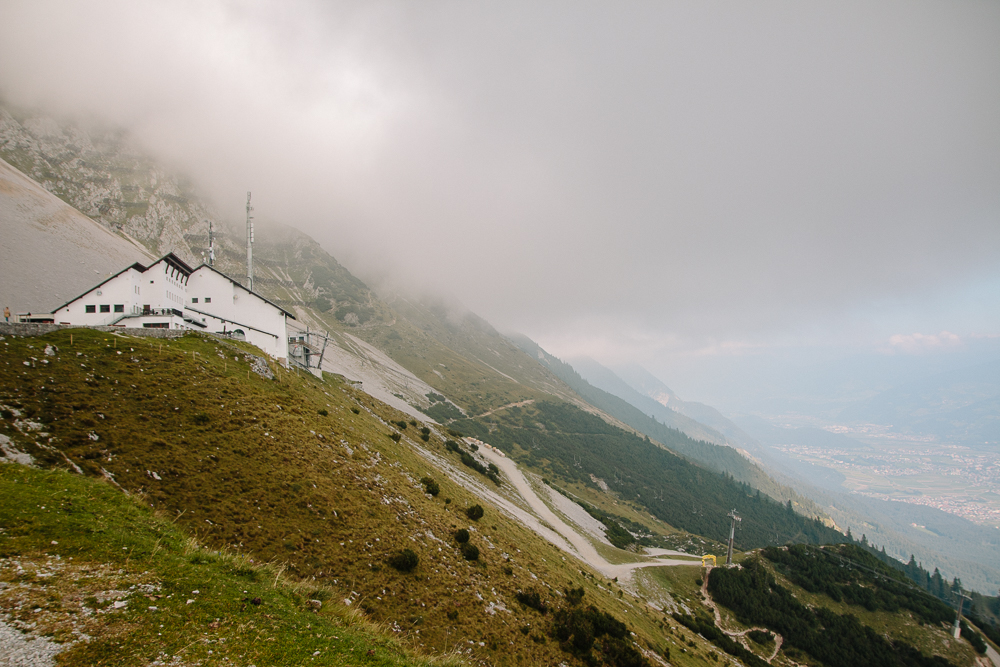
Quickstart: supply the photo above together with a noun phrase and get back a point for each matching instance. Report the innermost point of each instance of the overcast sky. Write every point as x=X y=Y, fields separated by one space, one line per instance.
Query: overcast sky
x=684 y=185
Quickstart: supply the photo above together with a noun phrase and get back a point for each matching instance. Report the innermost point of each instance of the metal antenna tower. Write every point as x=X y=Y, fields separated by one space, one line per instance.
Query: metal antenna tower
x=732 y=533
x=249 y=245
x=211 y=245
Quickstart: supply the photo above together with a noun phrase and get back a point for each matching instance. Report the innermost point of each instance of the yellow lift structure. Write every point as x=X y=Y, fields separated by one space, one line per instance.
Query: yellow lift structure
x=706 y=558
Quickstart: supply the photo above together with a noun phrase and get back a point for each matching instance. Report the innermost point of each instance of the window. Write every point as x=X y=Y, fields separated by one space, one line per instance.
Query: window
x=119 y=307
x=105 y=308
x=208 y=299
x=194 y=299
x=90 y=309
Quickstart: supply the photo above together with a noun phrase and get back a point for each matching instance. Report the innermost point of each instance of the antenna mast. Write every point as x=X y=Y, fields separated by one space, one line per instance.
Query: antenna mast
x=249 y=245
x=732 y=533
x=211 y=245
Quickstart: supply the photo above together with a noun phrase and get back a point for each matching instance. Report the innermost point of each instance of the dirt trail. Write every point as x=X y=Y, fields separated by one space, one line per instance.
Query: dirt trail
x=519 y=404
x=740 y=635
x=582 y=547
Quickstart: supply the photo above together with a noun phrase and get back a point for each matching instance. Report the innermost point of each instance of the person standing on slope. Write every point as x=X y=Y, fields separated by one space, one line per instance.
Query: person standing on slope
x=6 y=313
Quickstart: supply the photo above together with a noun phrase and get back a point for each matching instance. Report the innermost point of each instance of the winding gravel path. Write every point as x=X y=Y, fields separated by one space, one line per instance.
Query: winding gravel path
x=582 y=547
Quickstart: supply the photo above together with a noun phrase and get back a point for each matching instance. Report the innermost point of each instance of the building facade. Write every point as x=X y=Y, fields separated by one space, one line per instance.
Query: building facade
x=169 y=294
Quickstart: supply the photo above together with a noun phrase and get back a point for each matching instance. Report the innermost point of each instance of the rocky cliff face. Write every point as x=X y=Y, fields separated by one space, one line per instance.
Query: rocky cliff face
x=102 y=174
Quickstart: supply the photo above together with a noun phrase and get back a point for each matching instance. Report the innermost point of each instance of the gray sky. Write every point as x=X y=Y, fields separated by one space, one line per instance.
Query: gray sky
x=692 y=186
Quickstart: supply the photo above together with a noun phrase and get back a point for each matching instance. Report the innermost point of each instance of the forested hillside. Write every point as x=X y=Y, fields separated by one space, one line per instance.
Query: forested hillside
x=574 y=445
x=844 y=575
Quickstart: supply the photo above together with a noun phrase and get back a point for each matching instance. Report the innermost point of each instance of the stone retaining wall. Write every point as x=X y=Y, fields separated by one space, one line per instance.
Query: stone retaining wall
x=34 y=329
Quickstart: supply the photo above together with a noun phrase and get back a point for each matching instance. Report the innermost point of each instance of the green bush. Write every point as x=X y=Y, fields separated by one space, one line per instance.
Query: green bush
x=470 y=551
x=404 y=561
x=401 y=424
x=452 y=446
x=425 y=430
x=461 y=536
x=430 y=486
x=425 y=437
x=475 y=512
x=531 y=599
x=395 y=437
x=323 y=411
x=574 y=595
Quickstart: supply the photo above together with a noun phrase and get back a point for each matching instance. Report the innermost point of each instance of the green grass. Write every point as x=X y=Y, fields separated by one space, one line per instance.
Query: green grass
x=251 y=466
x=75 y=539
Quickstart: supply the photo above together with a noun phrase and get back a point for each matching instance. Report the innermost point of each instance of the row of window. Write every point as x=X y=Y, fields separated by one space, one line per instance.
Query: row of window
x=120 y=308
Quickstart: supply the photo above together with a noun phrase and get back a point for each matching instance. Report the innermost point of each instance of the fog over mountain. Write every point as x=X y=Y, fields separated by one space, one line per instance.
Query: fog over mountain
x=737 y=197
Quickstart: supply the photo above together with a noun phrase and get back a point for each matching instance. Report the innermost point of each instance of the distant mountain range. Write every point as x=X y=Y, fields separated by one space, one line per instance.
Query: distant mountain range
x=961 y=406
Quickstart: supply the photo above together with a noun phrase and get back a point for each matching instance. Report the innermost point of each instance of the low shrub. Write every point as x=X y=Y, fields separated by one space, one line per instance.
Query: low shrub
x=574 y=595
x=404 y=561
x=395 y=437
x=401 y=424
x=425 y=430
x=475 y=512
x=430 y=486
x=425 y=437
x=470 y=551
x=324 y=412
x=461 y=536
x=531 y=599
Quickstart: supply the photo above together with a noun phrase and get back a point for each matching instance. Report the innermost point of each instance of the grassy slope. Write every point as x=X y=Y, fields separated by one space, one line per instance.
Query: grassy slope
x=242 y=466
x=71 y=546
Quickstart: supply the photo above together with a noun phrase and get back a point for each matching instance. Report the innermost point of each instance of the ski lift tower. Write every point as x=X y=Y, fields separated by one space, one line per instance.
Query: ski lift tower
x=957 y=630
x=732 y=533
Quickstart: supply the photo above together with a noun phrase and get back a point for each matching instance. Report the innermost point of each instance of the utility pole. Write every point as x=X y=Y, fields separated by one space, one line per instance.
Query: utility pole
x=732 y=533
x=249 y=245
x=957 y=630
x=211 y=245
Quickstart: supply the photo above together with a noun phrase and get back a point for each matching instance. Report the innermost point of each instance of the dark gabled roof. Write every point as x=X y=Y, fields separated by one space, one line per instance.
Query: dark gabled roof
x=240 y=285
x=176 y=262
x=137 y=266
x=170 y=258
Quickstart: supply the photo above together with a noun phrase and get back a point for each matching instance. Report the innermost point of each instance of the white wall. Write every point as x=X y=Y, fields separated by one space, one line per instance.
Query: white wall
x=159 y=287
x=232 y=306
x=122 y=290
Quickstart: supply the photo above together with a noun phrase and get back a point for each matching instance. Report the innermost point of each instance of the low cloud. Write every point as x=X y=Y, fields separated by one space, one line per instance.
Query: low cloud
x=918 y=343
x=651 y=180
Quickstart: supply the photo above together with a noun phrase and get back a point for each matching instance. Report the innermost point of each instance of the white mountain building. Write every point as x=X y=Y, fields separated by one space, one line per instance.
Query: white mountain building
x=169 y=294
